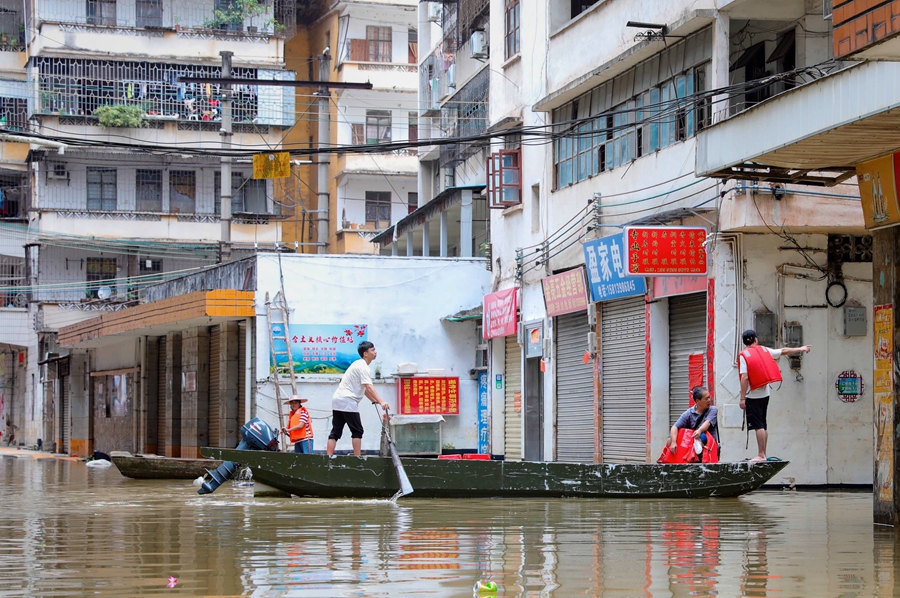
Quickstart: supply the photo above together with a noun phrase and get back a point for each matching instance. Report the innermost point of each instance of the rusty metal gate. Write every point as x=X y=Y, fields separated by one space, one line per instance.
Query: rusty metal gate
x=215 y=396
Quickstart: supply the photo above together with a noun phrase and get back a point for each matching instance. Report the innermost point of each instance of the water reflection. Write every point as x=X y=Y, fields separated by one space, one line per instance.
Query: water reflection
x=69 y=530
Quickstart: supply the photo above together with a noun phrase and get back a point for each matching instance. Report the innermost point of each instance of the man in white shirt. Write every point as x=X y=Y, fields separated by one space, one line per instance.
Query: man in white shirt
x=356 y=383
x=755 y=401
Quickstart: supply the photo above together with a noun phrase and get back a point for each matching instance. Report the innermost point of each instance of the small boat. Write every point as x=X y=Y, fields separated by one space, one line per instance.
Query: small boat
x=376 y=477
x=154 y=467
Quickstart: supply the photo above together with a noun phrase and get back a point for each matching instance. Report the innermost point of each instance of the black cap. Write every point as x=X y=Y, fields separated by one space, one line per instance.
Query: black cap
x=749 y=336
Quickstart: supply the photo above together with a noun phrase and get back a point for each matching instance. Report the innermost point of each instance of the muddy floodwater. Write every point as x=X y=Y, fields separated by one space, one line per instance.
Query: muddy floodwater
x=70 y=530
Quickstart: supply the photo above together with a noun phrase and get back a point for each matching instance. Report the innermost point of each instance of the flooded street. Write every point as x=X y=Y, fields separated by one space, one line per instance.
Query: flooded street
x=69 y=530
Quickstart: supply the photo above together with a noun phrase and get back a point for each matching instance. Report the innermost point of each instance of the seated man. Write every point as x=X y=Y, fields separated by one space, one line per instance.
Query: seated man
x=702 y=419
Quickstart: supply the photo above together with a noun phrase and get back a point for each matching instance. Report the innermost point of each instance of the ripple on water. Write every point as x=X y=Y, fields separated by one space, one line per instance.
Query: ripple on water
x=69 y=531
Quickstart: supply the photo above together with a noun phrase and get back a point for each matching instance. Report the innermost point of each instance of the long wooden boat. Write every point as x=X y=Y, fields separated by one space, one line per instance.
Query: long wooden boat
x=153 y=467
x=375 y=477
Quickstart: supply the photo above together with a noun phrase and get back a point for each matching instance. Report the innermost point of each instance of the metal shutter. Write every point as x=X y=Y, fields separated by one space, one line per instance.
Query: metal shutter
x=66 y=419
x=242 y=373
x=576 y=422
x=687 y=334
x=161 y=407
x=215 y=343
x=513 y=426
x=623 y=386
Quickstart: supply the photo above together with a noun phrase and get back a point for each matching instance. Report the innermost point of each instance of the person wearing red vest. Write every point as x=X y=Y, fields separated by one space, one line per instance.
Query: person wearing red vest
x=299 y=425
x=758 y=369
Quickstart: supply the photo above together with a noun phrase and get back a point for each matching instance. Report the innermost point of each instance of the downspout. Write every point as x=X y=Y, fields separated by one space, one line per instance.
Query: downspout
x=248 y=367
x=323 y=159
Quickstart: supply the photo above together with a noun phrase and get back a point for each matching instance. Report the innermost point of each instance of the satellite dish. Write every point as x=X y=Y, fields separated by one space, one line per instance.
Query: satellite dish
x=104 y=292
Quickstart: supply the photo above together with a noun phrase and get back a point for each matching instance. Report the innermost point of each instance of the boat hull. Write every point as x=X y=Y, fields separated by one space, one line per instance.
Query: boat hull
x=161 y=468
x=375 y=477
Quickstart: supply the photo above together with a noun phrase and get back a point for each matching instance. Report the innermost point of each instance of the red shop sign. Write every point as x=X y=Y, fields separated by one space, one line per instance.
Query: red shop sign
x=420 y=396
x=666 y=250
x=499 y=317
x=565 y=293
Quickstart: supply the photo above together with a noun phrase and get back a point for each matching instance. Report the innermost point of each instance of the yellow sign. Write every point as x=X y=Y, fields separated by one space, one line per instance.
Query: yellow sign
x=878 y=189
x=272 y=166
x=884 y=396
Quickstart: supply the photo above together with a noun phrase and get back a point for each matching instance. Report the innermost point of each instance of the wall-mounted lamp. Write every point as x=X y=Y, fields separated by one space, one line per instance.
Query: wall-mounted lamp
x=654 y=31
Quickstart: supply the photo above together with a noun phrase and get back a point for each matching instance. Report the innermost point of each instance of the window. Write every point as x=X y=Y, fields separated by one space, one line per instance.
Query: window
x=644 y=109
x=379 y=41
x=412 y=199
x=504 y=180
x=247 y=195
x=378 y=208
x=413 y=126
x=378 y=126
x=99 y=269
x=513 y=12
x=413 y=40
x=182 y=191
x=101 y=12
x=148 y=265
x=149 y=13
x=359 y=134
x=148 y=190
x=14 y=113
x=579 y=6
x=101 y=189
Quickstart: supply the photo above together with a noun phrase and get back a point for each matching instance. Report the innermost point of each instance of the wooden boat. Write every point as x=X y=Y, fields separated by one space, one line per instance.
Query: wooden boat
x=154 y=467
x=375 y=477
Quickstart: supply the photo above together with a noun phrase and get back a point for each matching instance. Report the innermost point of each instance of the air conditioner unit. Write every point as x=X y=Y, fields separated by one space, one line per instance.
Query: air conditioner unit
x=57 y=170
x=435 y=11
x=478 y=45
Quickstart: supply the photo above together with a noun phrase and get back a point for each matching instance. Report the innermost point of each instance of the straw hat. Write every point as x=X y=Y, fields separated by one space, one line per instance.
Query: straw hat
x=295 y=398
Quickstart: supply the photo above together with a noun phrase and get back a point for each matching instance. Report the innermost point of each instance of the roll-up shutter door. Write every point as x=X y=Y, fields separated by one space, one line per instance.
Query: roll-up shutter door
x=623 y=387
x=215 y=342
x=161 y=407
x=576 y=422
x=513 y=425
x=242 y=373
x=687 y=334
x=66 y=419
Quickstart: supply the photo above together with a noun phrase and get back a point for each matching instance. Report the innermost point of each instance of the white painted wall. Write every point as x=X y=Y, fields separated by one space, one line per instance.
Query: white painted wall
x=826 y=440
x=402 y=300
x=352 y=196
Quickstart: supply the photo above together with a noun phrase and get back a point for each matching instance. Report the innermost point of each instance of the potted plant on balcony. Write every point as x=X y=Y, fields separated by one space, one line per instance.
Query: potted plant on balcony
x=120 y=116
x=234 y=16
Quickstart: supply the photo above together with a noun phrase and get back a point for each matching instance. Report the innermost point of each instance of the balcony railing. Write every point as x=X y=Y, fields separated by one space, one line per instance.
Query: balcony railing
x=76 y=87
x=231 y=18
x=436 y=80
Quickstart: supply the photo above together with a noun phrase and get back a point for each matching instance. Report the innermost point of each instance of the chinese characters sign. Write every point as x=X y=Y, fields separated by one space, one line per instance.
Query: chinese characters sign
x=564 y=293
x=849 y=386
x=500 y=313
x=483 y=423
x=272 y=166
x=878 y=190
x=320 y=348
x=419 y=396
x=883 y=316
x=605 y=259
x=665 y=250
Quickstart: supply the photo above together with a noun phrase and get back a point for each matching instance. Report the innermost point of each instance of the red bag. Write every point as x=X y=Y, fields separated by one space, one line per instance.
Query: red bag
x=684 y=449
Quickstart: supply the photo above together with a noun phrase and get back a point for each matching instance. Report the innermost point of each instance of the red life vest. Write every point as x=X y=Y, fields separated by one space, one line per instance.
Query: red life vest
x=294 y=420
x=761 y=366
x=684 y=449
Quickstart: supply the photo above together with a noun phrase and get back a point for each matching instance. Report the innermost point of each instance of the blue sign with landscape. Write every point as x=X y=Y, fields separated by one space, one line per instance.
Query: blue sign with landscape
x=319 y=348
x=483 y=421
x=605 y=260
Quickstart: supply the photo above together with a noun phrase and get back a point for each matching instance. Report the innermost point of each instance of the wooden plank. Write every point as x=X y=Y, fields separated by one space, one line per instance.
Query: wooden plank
x=120 y=372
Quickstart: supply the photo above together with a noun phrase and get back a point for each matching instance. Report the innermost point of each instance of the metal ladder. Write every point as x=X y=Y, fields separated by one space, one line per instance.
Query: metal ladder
x=279 y=330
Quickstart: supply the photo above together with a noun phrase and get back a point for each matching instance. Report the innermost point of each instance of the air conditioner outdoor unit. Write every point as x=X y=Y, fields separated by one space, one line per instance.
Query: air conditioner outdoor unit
x=57 y=170
x=478 y=45
x=435 y=11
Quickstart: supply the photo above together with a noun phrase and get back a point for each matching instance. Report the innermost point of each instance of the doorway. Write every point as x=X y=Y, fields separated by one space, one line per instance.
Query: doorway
x=534 y=410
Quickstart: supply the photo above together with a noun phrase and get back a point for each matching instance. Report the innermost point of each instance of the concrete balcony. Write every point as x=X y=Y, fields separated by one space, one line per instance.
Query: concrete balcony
x=813 y=134
x=401 y=162
x=383 y=75
x=15 y=328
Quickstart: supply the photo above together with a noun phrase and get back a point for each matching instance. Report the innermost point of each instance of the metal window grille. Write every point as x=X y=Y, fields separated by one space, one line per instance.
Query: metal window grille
x=101 y=189
x=148 y=190
x=379 y=42
x=247 y=195
x=99 y=269
x=101 y=12
x=149 y=13
x=378 y=208
x=847 y=249
x=464 y=116
x=149 y=265
x=182 y=191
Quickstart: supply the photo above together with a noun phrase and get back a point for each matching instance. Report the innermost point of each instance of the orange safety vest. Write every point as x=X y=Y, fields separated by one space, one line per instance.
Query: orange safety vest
x=761 y=367
x=294 y=420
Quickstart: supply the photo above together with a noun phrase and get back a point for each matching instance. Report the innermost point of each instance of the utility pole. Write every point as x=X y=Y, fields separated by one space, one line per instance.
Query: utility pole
x=226 y=134
x=323 y=159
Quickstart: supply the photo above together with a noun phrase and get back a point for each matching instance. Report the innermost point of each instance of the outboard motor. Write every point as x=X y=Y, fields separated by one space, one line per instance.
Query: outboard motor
x=257 y=436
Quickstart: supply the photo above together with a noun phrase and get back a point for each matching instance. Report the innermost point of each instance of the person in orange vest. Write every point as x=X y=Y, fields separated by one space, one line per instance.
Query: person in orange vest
x=758 y=369
x=299 y=425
